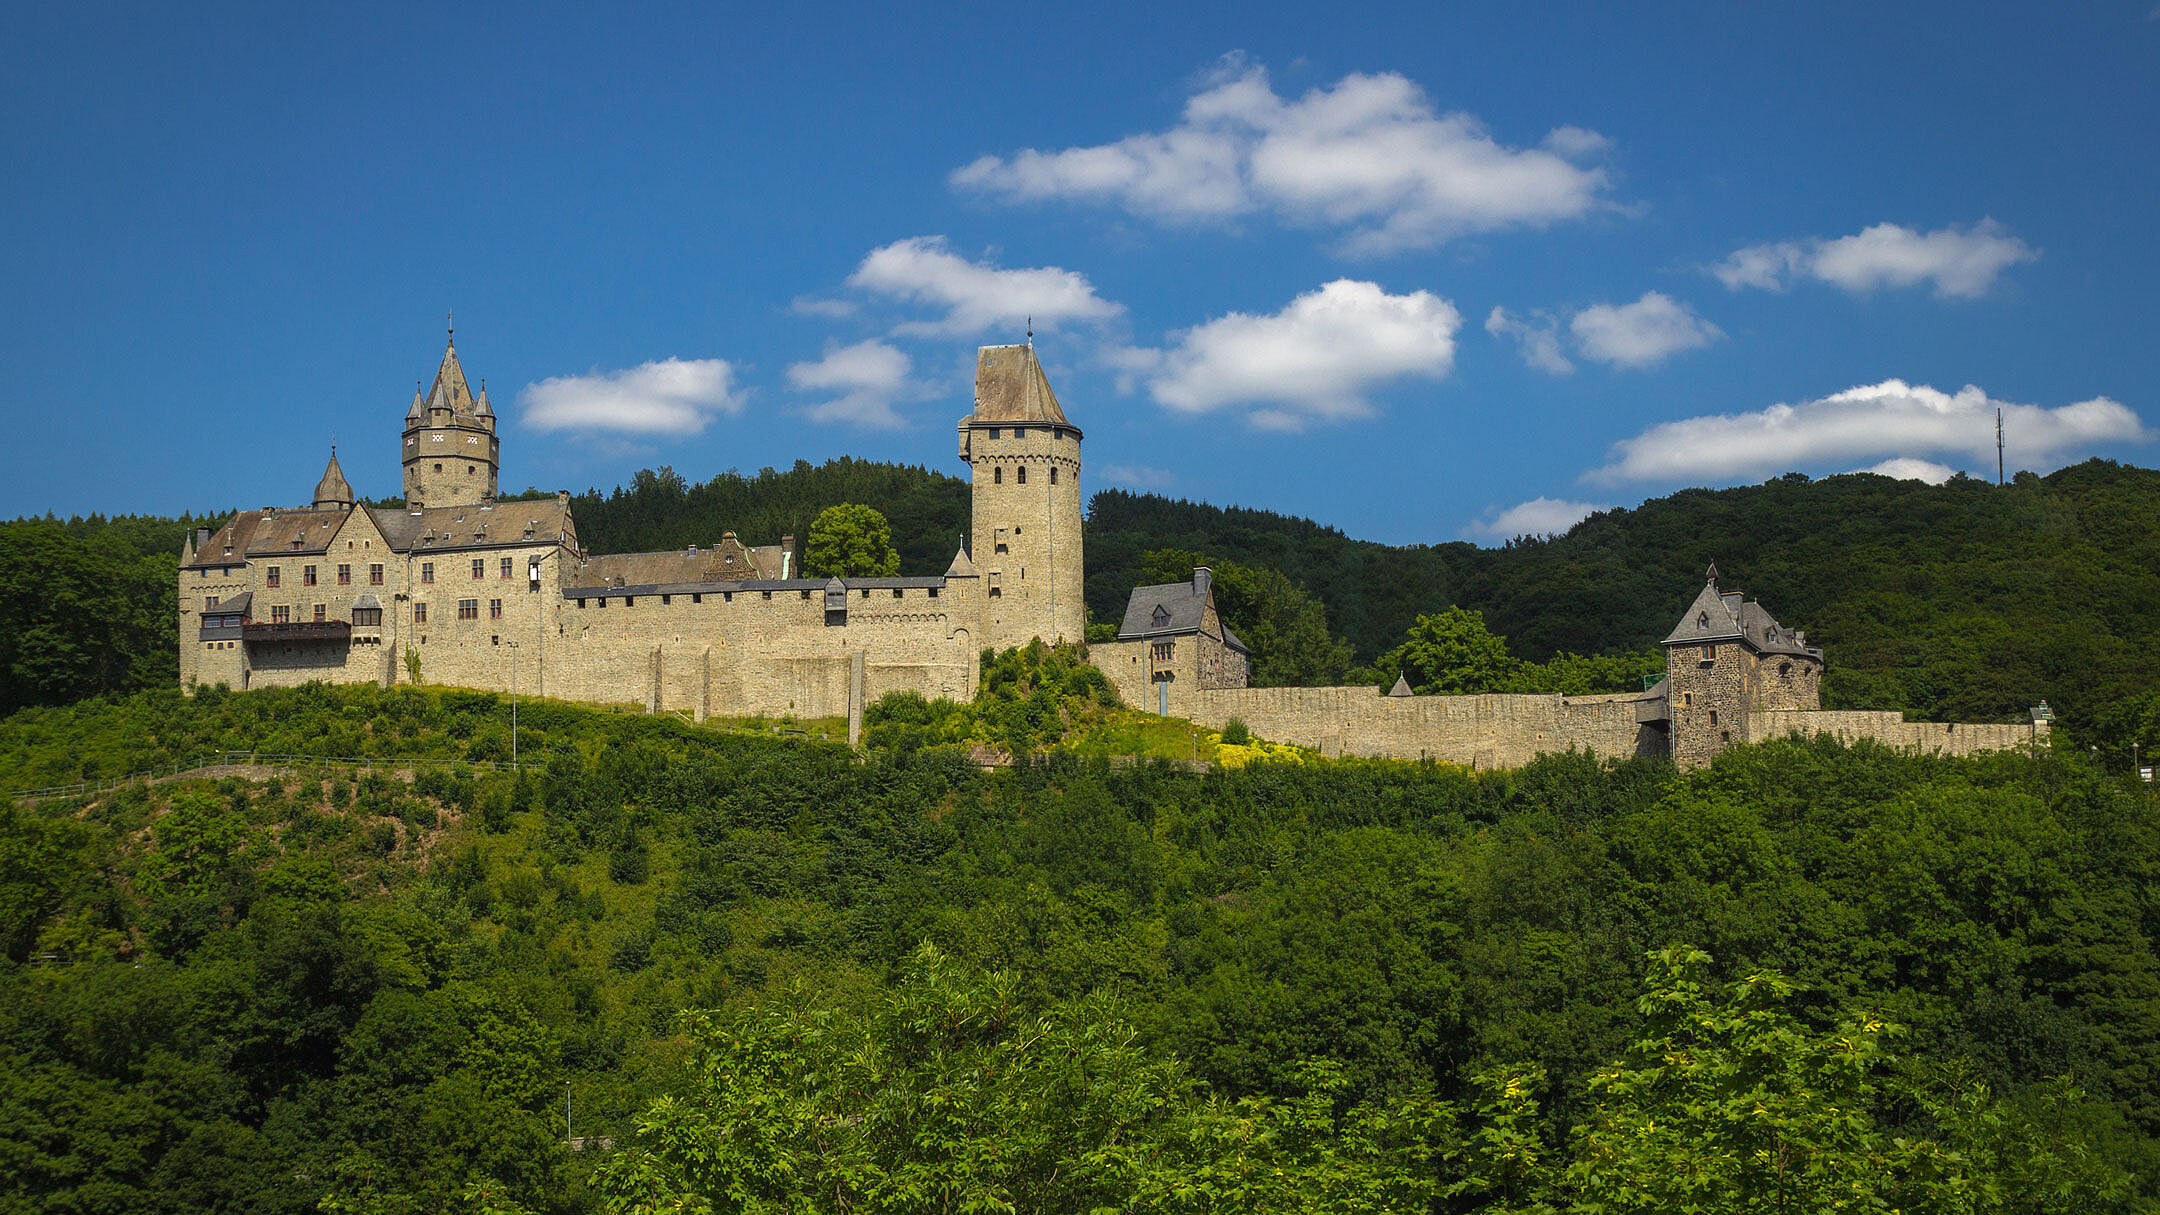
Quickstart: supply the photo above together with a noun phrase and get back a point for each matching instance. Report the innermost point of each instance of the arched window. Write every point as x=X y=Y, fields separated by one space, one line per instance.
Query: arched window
x=1020 y=475
x=997 y=476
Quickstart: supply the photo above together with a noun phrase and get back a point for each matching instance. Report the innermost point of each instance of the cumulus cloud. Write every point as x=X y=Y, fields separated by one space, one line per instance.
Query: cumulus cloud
x=1962 y=263
x=1905 y=468
x=976 y=295
x=1538 y=336
x=1873 y=420
x=671 y=397
x=1137 y=476
x=868 y=376
x=1650 y=330
x=1537 y=517
x=1313 y=361
x=1370 y=156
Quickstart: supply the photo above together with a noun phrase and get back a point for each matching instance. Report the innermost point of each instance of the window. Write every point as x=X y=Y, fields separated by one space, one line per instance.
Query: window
x=209 y=601
x=1709 y=652
x=468 y=609
x=507 y=565
x=322 y=613
x=997 y=542
x=427 y=571
x=581 y=603
x=374 y=575
x=419 y=613
x=666 y=599
x=281 y=614
x=1713 y=717
x=367 y=618
x=695 y=597
x=1019 y=432
x=344 y=575
x=1163 y=651
x=438 y=439
x=1020 y=475
x=494 y=609
x=933 y=592
x=997 y=476
x=896 y=592
x=307 y=575
x=479 y=567
x=1053 y=475
x=629 y=601
x=993 y=432
x=1702 y=620
x=276 y=575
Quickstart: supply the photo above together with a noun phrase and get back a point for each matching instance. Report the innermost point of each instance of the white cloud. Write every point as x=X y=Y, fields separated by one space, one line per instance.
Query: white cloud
x=671 y=397
x=810 y=305
x=869 y=376
x=1873 y=420
x=1537 y=517
x=976 y=295
x=1905 y=468
x=1647 y=331
x=1137 y=476
x=1369 y=155
x=1539 y=338
x=1962 y=263
x=1313 y=361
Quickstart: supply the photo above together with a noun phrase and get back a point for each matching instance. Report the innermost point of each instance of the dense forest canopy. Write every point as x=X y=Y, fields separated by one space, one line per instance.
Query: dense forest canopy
x=1331 y=985
x=1965 y=601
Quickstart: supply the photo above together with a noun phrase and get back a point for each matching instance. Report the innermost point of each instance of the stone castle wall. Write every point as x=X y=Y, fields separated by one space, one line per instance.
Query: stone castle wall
x=1891 y=729
x=1492 y=731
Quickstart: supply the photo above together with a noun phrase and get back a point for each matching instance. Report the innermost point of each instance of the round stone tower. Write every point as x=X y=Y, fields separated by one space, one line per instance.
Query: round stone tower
x=450 y=451
x=1024 y=459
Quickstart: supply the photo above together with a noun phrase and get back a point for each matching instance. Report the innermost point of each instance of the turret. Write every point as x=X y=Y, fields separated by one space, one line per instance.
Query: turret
x=1024 y=459
x=450 y=454
x=333 y=492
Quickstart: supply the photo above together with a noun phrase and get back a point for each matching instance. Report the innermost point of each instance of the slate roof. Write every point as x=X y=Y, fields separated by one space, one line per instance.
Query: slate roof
x=238 y=533
x=1731 y=616
x=333 y=487
x=583 y=590
x=728 y=562
x=1010 y=387
x=451 y=528
x=302 y=532
x=238 y=605
x=1169 y=610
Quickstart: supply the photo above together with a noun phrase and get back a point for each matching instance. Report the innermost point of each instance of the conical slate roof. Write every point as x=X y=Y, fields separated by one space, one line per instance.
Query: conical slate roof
x=1402 y=687
x=481 y=408
x=1010 y=387
x=961 y=567
x=450 y=391
x=418 y=413
x=333 y=489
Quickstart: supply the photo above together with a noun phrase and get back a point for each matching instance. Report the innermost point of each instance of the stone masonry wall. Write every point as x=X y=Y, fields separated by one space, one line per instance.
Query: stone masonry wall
x=1891 y=729
x=1492 y=731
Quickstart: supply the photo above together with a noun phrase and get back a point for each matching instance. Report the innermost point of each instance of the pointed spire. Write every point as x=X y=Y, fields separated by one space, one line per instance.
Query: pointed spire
x=450 y=391
x=333 y=492
x=418 y=413
x=481 y=408
x=1402 y=687
x=1010 y=387
x=961 y=567
x=1711 y=577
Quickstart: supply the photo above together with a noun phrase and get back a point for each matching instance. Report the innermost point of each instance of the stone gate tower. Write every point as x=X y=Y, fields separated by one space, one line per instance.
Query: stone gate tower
x=1024 y=458
x=450 y=451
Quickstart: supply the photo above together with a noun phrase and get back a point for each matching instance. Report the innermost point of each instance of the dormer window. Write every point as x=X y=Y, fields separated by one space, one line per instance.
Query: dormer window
x=1702 y=620
x=1160 y=618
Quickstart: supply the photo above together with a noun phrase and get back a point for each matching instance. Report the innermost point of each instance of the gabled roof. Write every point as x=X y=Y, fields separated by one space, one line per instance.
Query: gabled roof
x=729 y=561
x=1010 y=387
x=1731 y=616
x=301 y=532
x=1170 y=610
x=448 y=528
x=237 y=534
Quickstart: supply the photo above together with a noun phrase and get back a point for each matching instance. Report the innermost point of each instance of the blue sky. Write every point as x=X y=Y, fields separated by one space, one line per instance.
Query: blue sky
x=1421 y=272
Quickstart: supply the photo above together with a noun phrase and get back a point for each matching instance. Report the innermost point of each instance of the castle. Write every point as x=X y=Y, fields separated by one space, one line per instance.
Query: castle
x=464 y=589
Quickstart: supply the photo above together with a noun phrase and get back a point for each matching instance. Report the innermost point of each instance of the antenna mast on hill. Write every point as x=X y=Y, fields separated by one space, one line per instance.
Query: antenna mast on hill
x=1998 y=446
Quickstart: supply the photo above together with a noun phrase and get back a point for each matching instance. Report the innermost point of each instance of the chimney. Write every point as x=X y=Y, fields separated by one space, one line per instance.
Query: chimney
x=563 y=496
x=1203 y=580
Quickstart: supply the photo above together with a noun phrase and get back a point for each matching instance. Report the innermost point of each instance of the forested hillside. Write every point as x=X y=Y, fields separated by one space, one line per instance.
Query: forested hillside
x=1328 y=986
x=1965 y=601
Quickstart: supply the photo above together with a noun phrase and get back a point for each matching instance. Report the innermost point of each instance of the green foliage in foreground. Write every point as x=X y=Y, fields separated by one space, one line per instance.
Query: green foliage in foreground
x=952 y=1094
x=368 y=991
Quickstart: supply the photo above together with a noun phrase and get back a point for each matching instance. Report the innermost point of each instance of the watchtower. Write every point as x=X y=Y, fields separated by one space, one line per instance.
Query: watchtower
x=1726 y=660
x=1024 y=460
x=450 y=453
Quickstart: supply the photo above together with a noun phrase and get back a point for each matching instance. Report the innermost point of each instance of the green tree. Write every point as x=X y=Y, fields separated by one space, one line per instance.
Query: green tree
x=1451 y=652
x=850 y=541
x=1286 y=627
